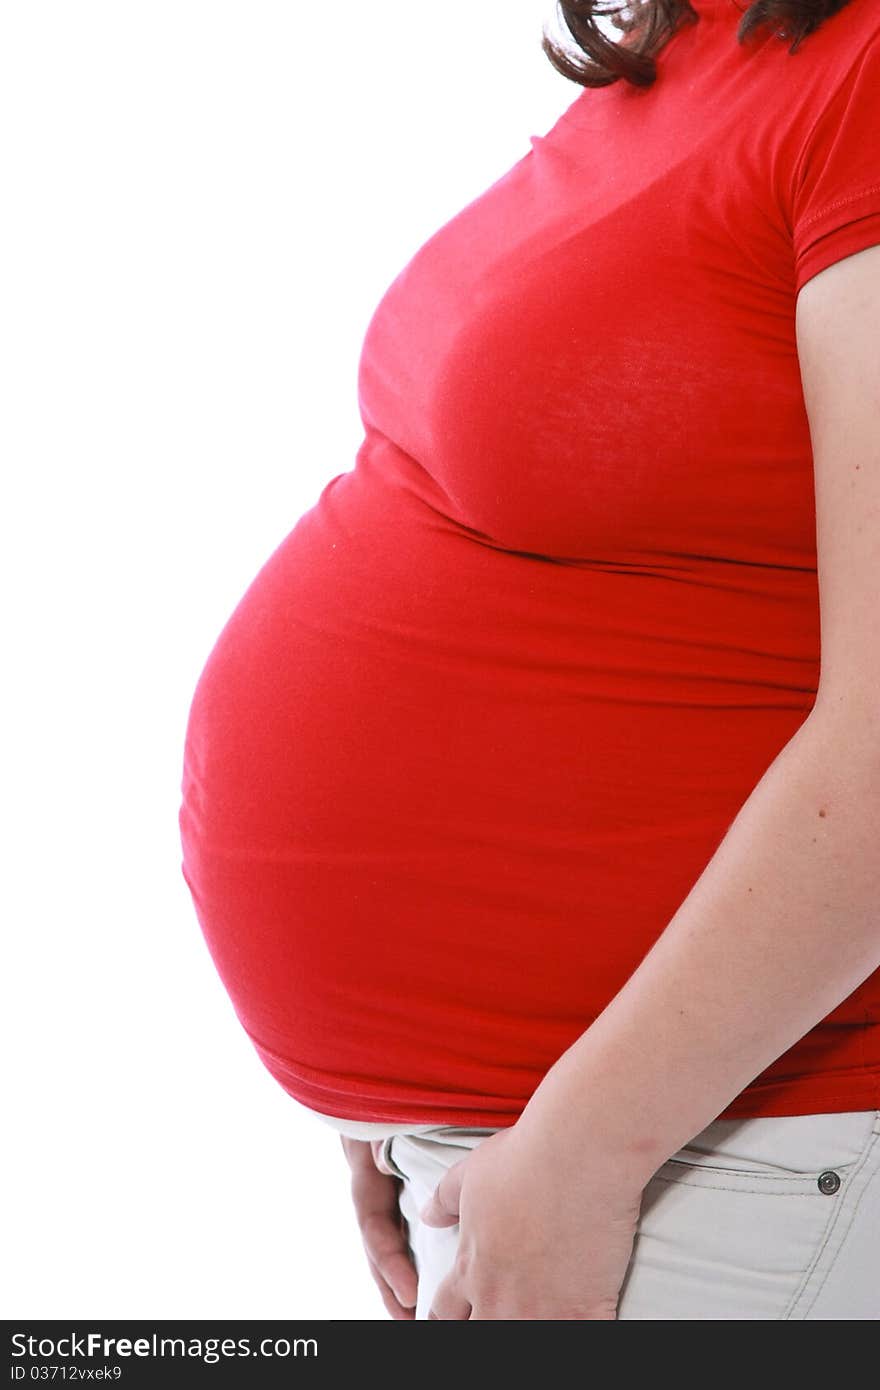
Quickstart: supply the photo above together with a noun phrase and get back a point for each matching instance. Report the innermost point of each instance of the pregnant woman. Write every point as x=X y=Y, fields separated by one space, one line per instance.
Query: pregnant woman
x=534 y=852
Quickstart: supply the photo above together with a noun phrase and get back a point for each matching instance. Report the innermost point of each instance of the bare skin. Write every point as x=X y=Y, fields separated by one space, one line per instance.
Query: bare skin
x=375 y=1192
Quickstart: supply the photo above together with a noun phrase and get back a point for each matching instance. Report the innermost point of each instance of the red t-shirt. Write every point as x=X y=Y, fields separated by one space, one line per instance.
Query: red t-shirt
x=481 y=720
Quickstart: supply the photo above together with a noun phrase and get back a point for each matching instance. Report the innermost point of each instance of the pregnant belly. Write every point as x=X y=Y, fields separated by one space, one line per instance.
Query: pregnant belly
x=440 y=797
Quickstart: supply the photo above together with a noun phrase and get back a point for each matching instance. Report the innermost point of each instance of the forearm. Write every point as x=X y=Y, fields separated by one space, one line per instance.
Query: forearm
x=782 y=925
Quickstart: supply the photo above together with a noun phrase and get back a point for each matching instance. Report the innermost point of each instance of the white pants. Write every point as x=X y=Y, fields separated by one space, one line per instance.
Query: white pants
x=761 y=1218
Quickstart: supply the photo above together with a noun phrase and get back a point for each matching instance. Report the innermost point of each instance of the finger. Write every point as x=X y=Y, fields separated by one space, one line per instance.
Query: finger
x=449 y=1303
x=392 y=1304
x=362 y=1152
x=387 y=1247
x=442 y=1207
x=383 y=1228
x=383 y=1231
x=376 y=1146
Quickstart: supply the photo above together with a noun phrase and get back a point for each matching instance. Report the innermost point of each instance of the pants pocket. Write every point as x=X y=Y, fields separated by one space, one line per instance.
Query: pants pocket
x=732 y=1224
x=422 y=1156
x=793 y=1151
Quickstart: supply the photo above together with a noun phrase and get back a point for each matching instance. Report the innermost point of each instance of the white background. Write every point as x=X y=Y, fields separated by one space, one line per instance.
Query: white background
x=203 y=203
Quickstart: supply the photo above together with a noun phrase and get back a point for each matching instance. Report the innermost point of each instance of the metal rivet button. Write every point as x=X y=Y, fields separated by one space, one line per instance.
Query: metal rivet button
x=828 y=1182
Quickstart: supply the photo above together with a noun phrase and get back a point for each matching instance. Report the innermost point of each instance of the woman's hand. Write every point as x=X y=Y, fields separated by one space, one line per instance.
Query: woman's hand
x=546 y=1232
x=375 y=1191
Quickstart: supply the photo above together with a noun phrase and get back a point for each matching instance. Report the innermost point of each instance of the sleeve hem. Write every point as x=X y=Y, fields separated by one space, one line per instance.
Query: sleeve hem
x=827 y=240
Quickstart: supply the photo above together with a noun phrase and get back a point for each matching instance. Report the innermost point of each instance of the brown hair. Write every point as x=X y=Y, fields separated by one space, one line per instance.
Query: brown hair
x=648 y=24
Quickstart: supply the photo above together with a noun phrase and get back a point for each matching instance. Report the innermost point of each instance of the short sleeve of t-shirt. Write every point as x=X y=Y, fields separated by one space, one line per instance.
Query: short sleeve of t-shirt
x=836 y=205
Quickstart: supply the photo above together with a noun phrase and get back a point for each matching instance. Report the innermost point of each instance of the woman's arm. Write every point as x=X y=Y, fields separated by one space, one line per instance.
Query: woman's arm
x=784 y=922
x=782 y=925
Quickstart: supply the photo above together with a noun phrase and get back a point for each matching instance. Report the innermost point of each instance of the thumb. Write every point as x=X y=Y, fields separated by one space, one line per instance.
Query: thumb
x=442 y=1207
